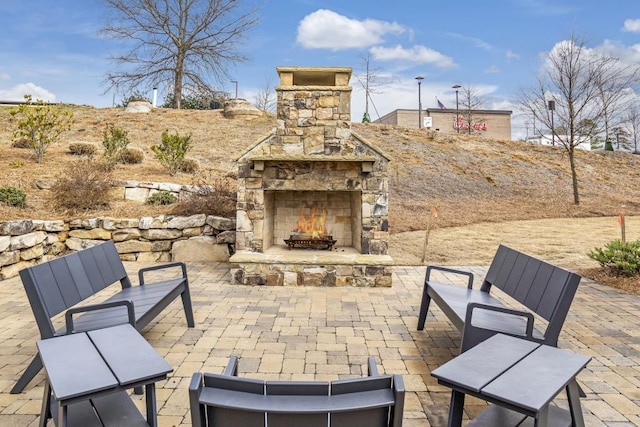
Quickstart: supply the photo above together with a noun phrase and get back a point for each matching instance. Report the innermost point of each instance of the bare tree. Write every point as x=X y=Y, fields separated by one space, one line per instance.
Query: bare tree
x=369 y=81
x=614 y=82
x=176 y=43
x=573 y=78
x=470 y=102
x=266 y=97
x=632 y=123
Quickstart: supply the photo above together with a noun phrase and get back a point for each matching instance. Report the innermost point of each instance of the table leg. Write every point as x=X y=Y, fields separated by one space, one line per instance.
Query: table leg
x=542 y=419
x=62 y=415
x=152 y=410
x=456 y=407
x=45 y=412
x=573 y=395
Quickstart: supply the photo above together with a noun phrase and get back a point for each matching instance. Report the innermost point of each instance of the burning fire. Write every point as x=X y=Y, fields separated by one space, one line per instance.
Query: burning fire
x=314 y=225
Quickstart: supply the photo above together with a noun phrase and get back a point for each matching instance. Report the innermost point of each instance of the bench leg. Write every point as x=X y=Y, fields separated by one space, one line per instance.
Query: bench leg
x=32 y=370
x=188 y=309
x=424 y=308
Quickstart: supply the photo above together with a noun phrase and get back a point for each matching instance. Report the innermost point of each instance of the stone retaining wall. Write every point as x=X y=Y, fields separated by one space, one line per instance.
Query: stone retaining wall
x=148 y=239
x=141 y=190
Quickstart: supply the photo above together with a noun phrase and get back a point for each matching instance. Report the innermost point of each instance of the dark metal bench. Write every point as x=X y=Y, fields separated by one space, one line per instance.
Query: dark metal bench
x=543 y=289
x=228 y=401
x=55 y=286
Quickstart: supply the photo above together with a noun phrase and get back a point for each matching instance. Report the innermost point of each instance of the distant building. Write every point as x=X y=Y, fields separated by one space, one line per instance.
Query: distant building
x=491 y=123
x=546 y=139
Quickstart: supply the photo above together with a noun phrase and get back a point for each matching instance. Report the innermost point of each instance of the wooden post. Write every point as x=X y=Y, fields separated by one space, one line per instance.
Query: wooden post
x=623 y=231
x=432 y=215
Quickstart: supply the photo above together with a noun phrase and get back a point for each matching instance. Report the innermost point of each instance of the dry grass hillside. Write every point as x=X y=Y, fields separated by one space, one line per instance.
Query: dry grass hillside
x=471 y=180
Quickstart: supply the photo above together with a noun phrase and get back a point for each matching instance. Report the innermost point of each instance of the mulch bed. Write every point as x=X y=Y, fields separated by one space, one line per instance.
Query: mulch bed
x=603 y=275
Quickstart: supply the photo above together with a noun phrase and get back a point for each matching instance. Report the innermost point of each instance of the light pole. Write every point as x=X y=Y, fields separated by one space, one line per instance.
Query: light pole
x=419 y=79
x=236 y=82
x=552 y=108
x=456 y=87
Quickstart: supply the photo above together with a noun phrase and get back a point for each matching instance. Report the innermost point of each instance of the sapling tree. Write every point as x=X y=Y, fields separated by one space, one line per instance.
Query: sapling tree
x=172 y=151
x=40 y=124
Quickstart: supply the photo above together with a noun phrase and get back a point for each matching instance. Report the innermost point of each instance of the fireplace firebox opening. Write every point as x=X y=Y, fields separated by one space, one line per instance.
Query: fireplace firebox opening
x=333 y=215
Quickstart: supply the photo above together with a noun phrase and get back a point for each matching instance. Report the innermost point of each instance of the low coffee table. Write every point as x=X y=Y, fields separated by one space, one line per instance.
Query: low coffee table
x=88 y=374
x=520 y=377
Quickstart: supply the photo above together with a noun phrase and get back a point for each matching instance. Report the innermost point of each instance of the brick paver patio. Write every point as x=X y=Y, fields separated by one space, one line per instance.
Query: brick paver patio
x=328 y=333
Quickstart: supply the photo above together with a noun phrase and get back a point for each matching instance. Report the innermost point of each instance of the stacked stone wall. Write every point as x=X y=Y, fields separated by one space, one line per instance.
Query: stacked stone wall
x=149 y=239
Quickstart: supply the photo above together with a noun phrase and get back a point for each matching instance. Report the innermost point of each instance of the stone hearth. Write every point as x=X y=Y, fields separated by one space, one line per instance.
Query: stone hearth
x=313 y=162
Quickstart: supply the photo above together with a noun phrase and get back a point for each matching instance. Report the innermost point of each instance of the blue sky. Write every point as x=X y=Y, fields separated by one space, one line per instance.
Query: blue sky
x=51 y=48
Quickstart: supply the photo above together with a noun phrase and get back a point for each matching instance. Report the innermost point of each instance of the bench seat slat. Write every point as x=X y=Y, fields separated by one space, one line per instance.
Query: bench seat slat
x=143 y=297
x=455 y=300
x=295 y=403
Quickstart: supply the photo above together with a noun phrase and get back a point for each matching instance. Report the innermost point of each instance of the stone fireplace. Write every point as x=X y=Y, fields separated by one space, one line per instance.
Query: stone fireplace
x=312 y=177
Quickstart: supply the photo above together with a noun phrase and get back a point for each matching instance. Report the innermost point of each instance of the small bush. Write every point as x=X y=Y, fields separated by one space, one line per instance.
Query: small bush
x=84 y=186
x=622 y=259
x=82 y=149
x=162 y=197
x=114 y=140
x=131 y=156
x=190 y=166
x=13 y=196
x=21 y=143
x=171 y=152
x=218 y=199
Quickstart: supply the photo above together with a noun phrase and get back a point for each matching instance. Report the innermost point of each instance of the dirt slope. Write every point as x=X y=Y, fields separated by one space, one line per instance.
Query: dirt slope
x=472 y=181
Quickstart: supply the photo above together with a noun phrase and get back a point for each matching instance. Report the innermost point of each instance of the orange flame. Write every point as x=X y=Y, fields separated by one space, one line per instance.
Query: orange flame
x=315 y=224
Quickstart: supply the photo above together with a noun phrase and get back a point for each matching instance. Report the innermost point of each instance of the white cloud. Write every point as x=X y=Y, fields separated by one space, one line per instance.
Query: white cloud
x=479 y=43
x=417 y=54
x=492 y=69
x=512 y=55
x=325 y=29
x=632 y=25
x=17 y=92
x=5 y=76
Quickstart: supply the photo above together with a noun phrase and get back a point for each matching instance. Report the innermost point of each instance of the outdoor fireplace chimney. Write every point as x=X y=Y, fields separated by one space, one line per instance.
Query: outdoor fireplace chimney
x=313 y=158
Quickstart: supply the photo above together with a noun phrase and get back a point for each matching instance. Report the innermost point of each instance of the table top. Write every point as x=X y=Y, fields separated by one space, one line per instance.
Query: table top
x=94 y=361
x=513 y=370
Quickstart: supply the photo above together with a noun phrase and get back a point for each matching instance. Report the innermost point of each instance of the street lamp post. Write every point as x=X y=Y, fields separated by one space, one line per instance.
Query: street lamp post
x=236 y=82
x=419 y=79
x=457 y=124
x=552 y=108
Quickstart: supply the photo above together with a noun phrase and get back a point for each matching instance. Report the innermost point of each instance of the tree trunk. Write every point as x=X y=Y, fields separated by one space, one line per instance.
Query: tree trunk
x=574 y=176
x=177 y=82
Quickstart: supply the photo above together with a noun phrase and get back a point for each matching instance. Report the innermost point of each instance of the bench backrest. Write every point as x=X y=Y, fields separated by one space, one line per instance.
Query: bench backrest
x=55 y=286
x=545 y=289
x=228 y=401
